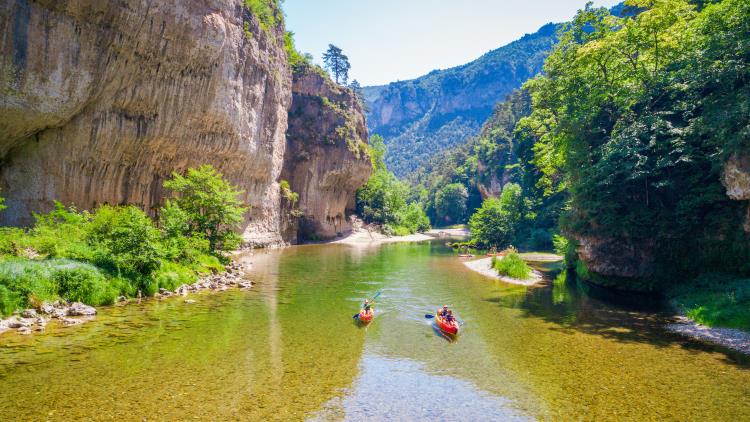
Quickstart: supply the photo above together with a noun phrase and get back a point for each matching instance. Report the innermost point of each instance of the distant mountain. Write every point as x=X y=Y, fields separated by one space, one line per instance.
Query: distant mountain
x=423 y=116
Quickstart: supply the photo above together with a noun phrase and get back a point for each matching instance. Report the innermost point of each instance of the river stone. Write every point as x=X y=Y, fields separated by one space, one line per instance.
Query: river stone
x=29 y=313
x=79 y=309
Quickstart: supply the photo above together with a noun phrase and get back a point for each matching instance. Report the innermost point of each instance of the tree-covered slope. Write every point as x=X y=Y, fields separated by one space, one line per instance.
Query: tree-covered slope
x=442 y=109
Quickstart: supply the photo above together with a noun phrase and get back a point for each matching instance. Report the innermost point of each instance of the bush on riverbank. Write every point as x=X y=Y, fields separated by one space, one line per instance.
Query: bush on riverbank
x=715 y=300
x=93 y=257
x=512 y=265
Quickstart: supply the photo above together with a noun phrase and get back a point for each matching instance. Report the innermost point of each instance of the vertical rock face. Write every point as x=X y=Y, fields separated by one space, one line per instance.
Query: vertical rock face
x=100 y=101
x=326 y=159
x=736 y=178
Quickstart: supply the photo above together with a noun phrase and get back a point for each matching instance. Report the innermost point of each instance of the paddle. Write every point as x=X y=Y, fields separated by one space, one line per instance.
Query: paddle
x=430 y=316
x=356 y=316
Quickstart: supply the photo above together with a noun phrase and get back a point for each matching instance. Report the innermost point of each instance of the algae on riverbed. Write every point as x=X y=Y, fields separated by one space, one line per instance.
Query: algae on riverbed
x=289 y=350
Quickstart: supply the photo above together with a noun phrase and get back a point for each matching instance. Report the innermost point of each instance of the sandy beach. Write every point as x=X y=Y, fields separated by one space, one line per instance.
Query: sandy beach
x=484 y=266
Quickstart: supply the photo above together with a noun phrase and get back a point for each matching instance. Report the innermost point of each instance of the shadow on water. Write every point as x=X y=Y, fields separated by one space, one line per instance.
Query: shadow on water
x=573 y=305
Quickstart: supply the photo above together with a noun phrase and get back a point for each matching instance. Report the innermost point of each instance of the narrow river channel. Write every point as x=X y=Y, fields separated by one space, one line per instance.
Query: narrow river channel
x=289 y=350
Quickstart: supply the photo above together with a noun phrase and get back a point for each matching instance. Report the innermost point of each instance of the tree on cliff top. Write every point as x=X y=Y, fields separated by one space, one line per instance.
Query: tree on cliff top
x=337 y=63
x=211 y=205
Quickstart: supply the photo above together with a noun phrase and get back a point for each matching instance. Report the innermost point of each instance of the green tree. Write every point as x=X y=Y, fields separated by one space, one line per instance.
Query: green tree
x=450 y=203
x=2 y=203
x=512 y=202
x=490 y=225
x=337 y=63
x=211 y=204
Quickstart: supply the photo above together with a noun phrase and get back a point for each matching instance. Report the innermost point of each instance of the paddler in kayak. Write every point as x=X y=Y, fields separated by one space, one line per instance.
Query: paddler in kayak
x=449 y=318
x=443 y=312
x=367 y=307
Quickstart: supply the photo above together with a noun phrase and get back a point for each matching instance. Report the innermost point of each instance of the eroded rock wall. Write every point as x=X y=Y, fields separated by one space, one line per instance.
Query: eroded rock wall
x=326 y=158
x=100 y=101
x=736 y=178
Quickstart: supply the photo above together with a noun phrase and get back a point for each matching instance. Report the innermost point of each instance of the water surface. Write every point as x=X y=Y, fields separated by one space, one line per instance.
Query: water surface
x=289 y=350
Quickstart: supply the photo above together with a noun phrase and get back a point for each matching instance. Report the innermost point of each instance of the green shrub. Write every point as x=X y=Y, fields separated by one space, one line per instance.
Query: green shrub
x=512 y=265
x=10 y=300
x=12 y=241
x=172 y=275
x=266 y=11
x=84 y=283
x=129 y=244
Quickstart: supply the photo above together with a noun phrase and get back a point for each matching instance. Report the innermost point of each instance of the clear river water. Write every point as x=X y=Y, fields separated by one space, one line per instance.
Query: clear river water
x=288 y=349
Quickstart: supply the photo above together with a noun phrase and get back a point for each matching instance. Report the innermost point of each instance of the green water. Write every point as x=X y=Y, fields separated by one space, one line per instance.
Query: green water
x=289 y=350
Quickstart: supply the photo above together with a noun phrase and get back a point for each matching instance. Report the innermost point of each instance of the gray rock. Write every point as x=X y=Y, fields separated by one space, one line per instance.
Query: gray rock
x=47 y=308
x=79 y=309
x=24 y=330
x=15 y=322
x=188 y=301
x=71 y=321
x=29 y=313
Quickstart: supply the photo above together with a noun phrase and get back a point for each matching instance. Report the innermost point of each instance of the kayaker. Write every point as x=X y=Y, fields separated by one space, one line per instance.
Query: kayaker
x=367 y=306
x=443 y=312
x=449 y=318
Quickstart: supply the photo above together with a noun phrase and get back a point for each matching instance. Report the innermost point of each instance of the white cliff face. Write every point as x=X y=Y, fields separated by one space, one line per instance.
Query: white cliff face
x=101 y=101
x=326 y=158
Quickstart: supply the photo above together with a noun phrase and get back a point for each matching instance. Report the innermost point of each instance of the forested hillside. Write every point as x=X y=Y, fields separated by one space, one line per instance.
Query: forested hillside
x=432 y=113
x=645 y=123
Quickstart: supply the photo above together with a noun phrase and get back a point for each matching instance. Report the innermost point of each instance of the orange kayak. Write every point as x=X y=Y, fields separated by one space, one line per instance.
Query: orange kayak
x=447 y=327
x=366 y=316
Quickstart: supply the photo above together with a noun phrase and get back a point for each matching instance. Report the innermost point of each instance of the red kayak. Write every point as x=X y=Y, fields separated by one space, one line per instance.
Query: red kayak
x=366 y=316
x=447 y=327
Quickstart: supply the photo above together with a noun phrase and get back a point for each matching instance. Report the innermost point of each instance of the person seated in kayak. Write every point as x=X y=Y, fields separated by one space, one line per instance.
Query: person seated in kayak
x=443 y=312
x=449 y=318
x=367 y=307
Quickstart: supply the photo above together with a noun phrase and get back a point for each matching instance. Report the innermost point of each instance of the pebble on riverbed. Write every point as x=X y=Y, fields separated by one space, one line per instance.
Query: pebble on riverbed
x=30 y=320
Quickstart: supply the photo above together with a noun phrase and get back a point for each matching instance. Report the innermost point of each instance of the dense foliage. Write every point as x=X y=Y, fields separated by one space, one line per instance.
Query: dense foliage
x=442 y=109
x=497 y=163
x=634 y=117
x=93 y=257
x=267 y=12
x=209 y=206
x=383 y=199
x=490 y=226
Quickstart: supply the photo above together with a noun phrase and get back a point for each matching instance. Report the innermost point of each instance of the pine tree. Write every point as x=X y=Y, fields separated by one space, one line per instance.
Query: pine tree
x=337 y=63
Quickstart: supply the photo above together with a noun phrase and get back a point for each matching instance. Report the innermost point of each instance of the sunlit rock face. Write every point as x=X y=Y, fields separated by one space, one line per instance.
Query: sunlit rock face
x=736 y=179
x=326 y=159
x=101 y=101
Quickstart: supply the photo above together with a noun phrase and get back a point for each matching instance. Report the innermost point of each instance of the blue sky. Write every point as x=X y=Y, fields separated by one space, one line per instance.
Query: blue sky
x=389 y=40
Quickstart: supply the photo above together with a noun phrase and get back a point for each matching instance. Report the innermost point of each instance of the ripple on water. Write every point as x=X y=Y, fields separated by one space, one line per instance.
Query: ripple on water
x=401 y=389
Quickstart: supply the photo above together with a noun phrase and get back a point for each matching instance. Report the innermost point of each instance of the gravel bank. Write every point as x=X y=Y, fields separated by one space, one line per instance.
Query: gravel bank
x=728 y=337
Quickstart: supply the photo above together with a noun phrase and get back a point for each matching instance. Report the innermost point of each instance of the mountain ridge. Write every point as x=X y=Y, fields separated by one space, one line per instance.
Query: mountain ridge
x=439 y=110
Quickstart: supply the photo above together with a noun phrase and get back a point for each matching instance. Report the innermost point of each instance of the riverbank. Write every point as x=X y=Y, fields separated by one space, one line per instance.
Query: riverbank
x=67 y=314
x=365 y=237
x=484 y=266
x=730 y=338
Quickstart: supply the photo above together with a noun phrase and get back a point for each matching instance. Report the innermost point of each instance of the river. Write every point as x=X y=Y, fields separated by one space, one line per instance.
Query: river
x=288 y=349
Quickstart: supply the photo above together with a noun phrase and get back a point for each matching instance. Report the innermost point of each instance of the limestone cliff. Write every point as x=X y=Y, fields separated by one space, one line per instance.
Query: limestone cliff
x=326 y=159
x=101 y=101
x=737 y=181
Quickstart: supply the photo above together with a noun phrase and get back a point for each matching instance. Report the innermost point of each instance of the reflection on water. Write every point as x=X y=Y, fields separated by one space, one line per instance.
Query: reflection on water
x=289 y=350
